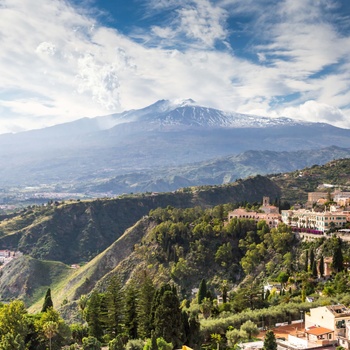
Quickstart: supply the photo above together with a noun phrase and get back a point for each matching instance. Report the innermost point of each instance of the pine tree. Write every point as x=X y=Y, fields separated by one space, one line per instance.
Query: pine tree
x=270 y=341
x=202 y=292
x=144 y=307
x=115 y=307
x=93 y=315
x=47 y=301
x=131 y=324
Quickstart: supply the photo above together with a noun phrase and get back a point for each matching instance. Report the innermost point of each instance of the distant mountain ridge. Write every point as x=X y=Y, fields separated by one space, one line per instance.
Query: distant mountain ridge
x=215 y=172
x=164 y=134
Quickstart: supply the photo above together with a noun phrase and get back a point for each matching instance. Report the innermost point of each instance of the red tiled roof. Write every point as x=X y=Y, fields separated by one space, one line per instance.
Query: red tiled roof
x=318 y=331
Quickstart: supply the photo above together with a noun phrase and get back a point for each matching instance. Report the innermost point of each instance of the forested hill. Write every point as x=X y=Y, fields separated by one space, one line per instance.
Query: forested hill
x=76 y=231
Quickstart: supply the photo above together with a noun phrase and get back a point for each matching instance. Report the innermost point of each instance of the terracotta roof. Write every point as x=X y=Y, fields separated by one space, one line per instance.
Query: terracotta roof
x=318 y=331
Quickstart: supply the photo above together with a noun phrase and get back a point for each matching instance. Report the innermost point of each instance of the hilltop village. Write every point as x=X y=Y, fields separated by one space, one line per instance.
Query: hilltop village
x=320 y=215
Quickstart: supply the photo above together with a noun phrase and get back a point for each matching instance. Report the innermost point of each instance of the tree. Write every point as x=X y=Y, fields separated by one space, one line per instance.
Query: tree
x=131 y=324
x=144 y=307
x=167 y=319
x=93 y=315
x=13 y=325
x=47 y=301
x=206 y=307
x=306 y=266
x=233 y=336
x=83 y=301
x=250 y=328
x=312 y=258
x=282 y=278
x=321 y=266
x=115 y=307
x=202 y=292
x=314 y=269
x=270 y=341
x=224 y=291
x=50 y=328
x=223 y=255
x=91 y=343
x=338 y=263
x=50 y=325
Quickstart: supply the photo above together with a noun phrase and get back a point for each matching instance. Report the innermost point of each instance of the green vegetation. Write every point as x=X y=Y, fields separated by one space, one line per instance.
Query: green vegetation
x=295 y=185
x=141 y=286
x=76 y=231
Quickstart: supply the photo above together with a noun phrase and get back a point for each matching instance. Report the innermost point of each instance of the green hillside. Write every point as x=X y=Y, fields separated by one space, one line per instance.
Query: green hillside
x=27 y=278
x=76 y=231
x=295 y=185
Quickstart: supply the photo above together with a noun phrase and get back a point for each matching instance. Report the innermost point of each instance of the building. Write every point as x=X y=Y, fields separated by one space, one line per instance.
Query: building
x=313 y=197
x=342 y=198
x=319 y=221
x=329 y=323
x=269 y=213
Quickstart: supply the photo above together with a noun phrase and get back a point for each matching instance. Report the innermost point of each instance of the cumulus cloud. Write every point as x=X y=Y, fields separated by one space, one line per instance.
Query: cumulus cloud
x=318 y=112
x=59 y=63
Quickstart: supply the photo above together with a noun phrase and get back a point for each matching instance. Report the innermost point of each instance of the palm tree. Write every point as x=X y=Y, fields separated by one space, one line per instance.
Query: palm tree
x=50 y=329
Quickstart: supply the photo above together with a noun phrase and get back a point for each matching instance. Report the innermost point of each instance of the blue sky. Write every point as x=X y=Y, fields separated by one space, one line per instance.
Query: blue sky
x=63 y=60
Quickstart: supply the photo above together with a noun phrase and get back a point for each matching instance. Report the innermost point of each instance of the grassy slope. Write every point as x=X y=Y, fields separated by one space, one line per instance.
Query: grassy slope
x=27 y=278
x=84 y=279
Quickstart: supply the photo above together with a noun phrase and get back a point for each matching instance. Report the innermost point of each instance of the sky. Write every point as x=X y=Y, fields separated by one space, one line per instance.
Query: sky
x=64 y=60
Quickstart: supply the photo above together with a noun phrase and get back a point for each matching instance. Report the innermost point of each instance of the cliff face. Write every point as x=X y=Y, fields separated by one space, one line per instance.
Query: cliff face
x=77 y=231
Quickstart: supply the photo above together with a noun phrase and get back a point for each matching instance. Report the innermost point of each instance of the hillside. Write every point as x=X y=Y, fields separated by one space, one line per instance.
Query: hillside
x=28 y=279
x=77 y=231
x=295 y=185
x=184 y=242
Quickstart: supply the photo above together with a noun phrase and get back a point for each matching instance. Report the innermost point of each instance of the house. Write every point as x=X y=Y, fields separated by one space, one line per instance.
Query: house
x=329 y=323
x=320 y=335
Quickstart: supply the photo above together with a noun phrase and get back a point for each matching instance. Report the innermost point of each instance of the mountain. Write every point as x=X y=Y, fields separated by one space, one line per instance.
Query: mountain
x=164 y=134
x=213 y=172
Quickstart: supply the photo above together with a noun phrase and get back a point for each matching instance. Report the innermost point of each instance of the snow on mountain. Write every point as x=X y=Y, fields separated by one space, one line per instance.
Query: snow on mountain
x=165 y=113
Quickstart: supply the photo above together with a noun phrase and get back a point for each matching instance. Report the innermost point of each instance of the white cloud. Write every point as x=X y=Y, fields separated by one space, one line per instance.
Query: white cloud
x=58 y=64
x=317 y=112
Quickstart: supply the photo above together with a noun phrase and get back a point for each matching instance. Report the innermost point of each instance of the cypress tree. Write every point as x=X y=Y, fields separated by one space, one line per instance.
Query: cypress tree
x=47 y=301
x=338 y=262
x=312 y=258
x=321 y=266
x=202 y=292
x=306 y=267
x=314 y=269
